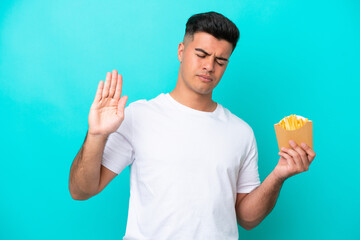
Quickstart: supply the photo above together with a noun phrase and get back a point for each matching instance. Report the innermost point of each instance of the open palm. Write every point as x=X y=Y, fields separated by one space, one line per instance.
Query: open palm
x=107 y=110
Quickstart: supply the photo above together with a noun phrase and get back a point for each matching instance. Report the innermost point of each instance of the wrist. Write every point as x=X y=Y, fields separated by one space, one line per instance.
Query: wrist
x=97 y=137
x=276 y=178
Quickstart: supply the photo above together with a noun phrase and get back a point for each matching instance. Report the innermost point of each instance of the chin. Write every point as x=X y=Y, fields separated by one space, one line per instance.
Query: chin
x=198 y=87
x=203 y=91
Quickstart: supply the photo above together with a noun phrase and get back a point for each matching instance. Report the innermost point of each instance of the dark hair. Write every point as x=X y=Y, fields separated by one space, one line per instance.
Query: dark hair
x=215 y=24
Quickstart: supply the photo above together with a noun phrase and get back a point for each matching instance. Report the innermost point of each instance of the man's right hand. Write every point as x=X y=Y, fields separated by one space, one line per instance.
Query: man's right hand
x=107 y=110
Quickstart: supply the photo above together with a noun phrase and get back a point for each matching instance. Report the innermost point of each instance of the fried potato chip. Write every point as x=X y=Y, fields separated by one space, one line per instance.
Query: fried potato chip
x=292 y=122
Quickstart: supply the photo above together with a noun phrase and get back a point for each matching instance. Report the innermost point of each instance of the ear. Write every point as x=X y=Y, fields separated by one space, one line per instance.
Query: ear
x=180 y=51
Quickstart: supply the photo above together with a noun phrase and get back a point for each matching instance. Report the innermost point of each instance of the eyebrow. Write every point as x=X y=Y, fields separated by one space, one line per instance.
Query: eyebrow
x=203 y=51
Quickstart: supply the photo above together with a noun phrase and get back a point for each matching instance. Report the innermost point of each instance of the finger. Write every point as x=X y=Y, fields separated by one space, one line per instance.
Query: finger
x=121 y=104
x=113 y=83
x=99 y=91
x=118 y=87
x=105 y=92
x=311 y=154
x=302 y=153
x=288 y=159
x=296 y=157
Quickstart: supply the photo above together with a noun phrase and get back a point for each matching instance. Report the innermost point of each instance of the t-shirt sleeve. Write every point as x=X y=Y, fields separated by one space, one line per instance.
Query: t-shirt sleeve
x=119 y=151
x=248 y=178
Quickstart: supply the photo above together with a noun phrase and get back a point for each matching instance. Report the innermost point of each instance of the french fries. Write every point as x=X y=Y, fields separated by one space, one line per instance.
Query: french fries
x=294 y=127
x=292 y=122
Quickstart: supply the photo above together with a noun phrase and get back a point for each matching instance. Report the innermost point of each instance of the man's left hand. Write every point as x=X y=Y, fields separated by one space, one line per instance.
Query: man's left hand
x=294 y=160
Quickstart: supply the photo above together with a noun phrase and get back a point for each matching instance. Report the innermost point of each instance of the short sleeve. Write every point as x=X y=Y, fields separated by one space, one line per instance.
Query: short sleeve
x=248 y=178
x=119 y=151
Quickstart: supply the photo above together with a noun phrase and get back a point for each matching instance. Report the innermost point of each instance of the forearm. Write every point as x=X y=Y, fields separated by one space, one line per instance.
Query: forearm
x=259 y=203
x=85 y=169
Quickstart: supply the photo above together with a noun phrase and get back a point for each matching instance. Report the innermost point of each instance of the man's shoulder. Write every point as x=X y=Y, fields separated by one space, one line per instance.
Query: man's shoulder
x=142 y=105
x=146 y=102
x=237 y=122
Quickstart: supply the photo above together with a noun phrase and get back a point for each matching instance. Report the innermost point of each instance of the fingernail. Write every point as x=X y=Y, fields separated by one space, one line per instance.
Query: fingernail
x=283 y=148
x=303 y=144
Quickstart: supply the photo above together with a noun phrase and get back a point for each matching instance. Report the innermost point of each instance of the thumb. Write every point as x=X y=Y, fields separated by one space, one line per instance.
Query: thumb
x=122 y=103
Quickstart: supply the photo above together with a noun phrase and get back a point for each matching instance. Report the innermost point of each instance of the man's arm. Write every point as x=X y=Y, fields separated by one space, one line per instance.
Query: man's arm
x=87 y=176
x=252 y=208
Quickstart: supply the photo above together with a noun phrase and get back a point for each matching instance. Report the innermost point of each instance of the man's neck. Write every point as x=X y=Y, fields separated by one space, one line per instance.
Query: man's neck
x=194 y=100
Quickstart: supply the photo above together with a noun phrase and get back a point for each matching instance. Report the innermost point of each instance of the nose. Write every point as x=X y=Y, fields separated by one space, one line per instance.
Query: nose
x=208 y=64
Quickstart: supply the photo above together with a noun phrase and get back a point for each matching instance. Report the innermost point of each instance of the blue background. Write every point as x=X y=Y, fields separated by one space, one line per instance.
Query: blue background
x=293 y=57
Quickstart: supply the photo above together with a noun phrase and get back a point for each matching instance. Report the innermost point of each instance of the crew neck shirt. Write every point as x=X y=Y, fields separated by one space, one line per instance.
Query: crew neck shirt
x=186 y=168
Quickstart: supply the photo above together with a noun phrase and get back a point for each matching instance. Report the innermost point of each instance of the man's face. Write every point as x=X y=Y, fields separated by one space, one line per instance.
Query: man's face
x=203 y=61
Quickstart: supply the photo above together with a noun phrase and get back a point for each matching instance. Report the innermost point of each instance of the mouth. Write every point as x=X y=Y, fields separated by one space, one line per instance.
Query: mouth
x=205 y=78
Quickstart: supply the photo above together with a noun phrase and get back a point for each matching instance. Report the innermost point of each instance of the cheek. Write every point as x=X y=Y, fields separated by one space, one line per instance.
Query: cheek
x=188 y=68
x=192 y=65
x=220 y=72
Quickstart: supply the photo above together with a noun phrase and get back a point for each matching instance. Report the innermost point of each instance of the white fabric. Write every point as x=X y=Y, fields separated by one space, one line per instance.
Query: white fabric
x=186 y=167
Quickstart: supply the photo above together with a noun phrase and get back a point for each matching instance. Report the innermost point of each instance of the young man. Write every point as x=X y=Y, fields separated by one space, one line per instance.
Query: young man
x=193 y=164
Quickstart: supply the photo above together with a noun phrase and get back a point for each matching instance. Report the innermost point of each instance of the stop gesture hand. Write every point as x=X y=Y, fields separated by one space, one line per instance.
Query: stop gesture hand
x=107 y=110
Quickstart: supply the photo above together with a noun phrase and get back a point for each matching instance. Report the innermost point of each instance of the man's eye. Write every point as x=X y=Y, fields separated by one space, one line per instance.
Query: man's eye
x=201 y=56
x=221 y=64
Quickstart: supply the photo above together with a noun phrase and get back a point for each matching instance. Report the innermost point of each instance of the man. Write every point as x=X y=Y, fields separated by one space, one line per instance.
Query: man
x=193 y=164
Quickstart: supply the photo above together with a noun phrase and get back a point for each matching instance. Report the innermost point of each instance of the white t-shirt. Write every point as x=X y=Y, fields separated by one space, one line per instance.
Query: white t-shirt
x=186 y=168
